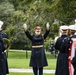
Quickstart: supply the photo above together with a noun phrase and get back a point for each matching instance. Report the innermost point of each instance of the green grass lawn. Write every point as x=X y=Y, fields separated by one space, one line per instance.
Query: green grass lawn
x=17 y=59
x=18 y=54
x=25 y=74
x=24 y=63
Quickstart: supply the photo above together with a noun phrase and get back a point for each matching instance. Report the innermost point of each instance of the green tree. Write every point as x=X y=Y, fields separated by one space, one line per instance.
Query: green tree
x=6 y=10
x=15 y=13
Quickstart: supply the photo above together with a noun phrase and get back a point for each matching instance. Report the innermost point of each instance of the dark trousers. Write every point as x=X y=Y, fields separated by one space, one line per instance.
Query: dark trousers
x=75 y=72
x=38 y=71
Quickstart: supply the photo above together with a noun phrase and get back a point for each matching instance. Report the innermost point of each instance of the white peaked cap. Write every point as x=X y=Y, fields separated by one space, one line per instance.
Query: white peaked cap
x=72 y=27
x=64 y=27
x=75 y=24
x=1 y=22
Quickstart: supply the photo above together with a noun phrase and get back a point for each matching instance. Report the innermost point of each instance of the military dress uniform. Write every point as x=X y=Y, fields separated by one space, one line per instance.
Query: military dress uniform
x=38 y=57
x=62 y=60
x=72 y=29
x=74 y=58
x=4 y=35
x=2 y=59
x=66 y=46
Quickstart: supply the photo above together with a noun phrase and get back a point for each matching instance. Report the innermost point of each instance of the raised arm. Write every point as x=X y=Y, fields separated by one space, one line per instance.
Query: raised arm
x=27 y=32
x=46 y=34
x=47 y=31
x=28 y=35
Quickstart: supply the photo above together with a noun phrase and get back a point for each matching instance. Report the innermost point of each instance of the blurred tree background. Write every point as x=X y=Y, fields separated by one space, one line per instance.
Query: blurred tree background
x=14 y=13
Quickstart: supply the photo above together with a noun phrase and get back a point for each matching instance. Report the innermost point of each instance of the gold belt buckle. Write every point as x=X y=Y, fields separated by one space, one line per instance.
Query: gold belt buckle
x=37 y=46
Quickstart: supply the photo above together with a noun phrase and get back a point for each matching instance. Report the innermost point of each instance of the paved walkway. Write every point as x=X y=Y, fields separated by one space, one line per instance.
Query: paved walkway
x=29 y=70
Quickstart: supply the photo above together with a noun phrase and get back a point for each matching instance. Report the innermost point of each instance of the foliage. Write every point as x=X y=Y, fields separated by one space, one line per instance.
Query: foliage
x=14 y=13
x=66 y=11
x=6 y=10
x=54 y=29
x=7 y=42
x=47 y=44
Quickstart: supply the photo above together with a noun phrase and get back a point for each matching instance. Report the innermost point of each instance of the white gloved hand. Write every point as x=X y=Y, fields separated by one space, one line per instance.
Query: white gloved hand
x=47 y=25
x=1 y=23
x=25 y=26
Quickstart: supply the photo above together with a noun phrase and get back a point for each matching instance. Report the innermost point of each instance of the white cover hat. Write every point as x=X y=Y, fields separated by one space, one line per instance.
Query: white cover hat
x=72 y=27
x=1 y=23
x=64 y=27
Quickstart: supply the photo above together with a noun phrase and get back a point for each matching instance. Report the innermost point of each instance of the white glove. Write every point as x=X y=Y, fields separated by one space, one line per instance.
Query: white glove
x=25 y=26
x=47 y=25
x=1 y=23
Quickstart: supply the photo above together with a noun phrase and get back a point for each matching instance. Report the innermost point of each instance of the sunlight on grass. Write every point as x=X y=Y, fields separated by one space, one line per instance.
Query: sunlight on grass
x=24 y=63
x=25 y=74
x=17 y=59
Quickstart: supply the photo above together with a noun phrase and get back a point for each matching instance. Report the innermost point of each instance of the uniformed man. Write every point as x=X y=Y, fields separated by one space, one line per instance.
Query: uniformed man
x=38 y=58
x=4 y=53
x=70 y=48
x=62 y=60
x=67 y=46
x=2 y=49
x=74 y=37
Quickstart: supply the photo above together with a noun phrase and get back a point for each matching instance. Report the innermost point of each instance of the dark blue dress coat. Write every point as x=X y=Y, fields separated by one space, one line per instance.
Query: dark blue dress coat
x=2 y=58
x=38 y=57
x=4 y=35
x=62 y=60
